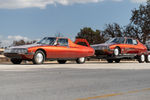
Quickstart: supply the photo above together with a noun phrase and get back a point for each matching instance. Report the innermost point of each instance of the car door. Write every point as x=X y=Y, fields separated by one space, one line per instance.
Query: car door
x=62 y=48
x=135 y=45
x=131 y=47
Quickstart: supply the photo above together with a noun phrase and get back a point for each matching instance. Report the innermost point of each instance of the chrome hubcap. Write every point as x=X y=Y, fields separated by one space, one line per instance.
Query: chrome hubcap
x=116 y=52
x=142 y=58
x=39 y=57
x=82 y=59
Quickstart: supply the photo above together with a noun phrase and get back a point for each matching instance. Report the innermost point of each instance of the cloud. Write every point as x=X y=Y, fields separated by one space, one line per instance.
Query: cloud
x=18 y=37
x=4 y=41
x=138 y=1
x=1 y=37
x=7 y=41
x=15 y=4
x=117 y=0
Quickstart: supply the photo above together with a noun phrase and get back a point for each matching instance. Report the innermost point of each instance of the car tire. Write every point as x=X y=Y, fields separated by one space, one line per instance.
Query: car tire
x=147 y=58
x=81 y=60
x=61 y=61
x=141 y=58
x=109 y=60
x=117 y=60
x=16 y=61
x=39 y=57
x=116 y=51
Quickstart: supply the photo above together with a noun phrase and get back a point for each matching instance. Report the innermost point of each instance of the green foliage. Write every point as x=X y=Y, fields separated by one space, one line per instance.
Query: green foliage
x=140 y=22
x=139 y=28
x=113 y=30
x=93 y=37
x=132 y=31
x=22 y=42
x=96 y=37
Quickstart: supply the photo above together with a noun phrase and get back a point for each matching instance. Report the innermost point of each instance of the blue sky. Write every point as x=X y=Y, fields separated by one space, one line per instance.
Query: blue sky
x=39 y=18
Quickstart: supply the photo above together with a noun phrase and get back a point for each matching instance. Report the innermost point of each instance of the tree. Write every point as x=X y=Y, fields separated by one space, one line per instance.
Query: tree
x=22 y=42
x=93 y=37
x=132 y=31
x=140 y=22
x=113 y=30
x=139 y=27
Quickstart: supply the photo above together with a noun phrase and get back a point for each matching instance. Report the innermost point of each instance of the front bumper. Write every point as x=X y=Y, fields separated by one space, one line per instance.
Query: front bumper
x=27 y=56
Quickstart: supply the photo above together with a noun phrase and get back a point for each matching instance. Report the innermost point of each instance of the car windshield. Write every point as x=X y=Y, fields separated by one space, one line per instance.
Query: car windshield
x=47 y=40
x=116 y=40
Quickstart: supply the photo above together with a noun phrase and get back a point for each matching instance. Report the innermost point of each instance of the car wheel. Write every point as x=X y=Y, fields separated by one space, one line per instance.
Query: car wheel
x=39 y=57
x=81 y=60
x=61 y=61
x=141 y=58
x=16 y=61
x=109 y=60
x=116 y=51
x=117 y=60
x=148 y=58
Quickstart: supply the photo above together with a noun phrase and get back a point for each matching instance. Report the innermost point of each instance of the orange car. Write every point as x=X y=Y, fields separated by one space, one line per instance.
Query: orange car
x=119 y=48
x=50 y=48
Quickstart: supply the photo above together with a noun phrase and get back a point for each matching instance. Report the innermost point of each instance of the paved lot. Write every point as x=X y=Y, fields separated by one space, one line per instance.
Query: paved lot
x=90 y=81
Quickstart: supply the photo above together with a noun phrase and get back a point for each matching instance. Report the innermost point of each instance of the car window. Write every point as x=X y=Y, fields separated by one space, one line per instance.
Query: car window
x=119 y=40
x=47 y=40
x=129 y=41
x=63 y=42
x=135 y=42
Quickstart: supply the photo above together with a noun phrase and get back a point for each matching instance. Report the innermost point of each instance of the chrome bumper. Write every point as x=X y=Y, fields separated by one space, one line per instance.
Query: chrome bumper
x=19 y=55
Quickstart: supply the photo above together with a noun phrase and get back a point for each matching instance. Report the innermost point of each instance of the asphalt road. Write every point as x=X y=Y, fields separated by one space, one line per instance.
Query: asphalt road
x=90 y=81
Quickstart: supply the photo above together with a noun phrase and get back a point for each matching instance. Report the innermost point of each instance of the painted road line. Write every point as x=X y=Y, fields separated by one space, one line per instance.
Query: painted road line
x=115 y=94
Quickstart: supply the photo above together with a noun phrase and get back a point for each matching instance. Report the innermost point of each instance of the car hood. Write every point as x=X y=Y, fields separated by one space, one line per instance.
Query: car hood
x=103 y=44
x=26 y=46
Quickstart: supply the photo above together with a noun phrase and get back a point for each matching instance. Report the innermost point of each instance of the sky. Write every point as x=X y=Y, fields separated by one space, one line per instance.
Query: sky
x=35 y=19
